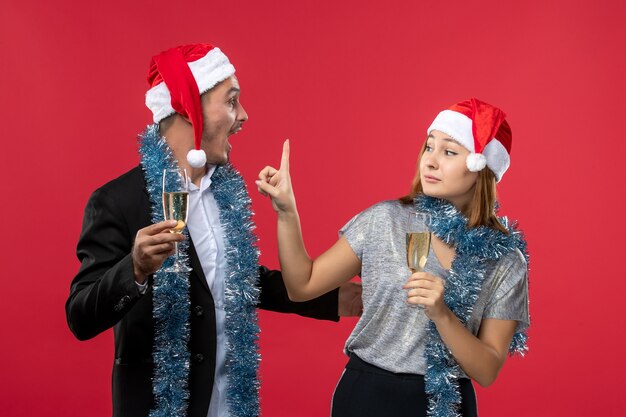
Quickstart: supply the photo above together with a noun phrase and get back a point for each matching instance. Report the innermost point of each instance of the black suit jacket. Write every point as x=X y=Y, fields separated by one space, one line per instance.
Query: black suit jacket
x=104 y=294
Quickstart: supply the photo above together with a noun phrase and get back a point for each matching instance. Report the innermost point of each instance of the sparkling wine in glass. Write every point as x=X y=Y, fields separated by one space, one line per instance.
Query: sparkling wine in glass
x=176 y=207
x=417 y=241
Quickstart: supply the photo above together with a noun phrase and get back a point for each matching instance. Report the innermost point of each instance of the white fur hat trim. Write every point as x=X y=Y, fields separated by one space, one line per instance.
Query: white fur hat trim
x=209 y=70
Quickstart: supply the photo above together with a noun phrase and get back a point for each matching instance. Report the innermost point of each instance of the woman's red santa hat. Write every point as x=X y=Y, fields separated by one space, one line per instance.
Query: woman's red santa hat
x=482 y=129
x=177 y=77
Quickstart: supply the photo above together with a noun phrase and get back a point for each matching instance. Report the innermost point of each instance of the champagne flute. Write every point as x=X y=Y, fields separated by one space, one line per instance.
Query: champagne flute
x=176 y=207
x=417 y=241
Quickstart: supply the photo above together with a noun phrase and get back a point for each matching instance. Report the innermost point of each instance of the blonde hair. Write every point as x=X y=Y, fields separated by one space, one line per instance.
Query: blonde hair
x=480 y=211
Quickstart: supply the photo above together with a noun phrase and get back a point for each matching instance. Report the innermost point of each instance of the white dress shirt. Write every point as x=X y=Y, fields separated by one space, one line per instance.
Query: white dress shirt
x=205 y=230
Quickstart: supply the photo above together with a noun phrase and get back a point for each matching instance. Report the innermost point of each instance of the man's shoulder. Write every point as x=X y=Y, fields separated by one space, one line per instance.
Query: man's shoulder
x=130 y=180
x=126 y=196
x=126 y=191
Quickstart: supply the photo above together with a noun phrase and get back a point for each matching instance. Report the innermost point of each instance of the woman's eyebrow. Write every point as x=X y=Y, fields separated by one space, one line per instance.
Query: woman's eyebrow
x=453 y=141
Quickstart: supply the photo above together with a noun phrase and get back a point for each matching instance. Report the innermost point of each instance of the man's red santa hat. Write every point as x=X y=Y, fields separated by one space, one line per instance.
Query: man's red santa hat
x=482 y=129
x=177 y=77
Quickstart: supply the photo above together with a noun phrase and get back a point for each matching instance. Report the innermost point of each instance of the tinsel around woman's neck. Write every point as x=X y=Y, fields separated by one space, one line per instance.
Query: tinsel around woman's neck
x=474 y=247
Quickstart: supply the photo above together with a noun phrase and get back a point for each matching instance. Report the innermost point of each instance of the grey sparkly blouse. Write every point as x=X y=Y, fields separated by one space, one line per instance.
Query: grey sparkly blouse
x=391 y=333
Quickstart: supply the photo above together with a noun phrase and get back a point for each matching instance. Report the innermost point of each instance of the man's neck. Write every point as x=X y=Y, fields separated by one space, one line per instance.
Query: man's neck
x=179 y=138
x=195 y=174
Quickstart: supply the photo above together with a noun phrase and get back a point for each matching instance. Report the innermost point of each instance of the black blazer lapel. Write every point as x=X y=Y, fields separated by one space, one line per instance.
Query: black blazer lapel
x=197 y=267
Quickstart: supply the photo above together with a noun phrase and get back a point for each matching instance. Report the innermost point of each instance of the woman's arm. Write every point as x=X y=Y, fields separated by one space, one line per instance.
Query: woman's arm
x=482 y=357
x=304 y=278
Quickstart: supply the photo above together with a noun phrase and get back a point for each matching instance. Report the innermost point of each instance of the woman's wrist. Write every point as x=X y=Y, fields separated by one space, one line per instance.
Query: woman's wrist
x=445 y=318
x=287 y=216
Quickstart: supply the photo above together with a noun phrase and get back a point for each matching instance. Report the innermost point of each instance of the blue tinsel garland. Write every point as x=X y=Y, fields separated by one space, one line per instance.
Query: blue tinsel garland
x=473 y=247
x=241 y=292
x=171 y=293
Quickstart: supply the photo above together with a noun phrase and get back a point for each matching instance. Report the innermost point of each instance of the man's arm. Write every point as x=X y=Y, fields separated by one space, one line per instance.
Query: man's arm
x=104 y=288
x=107 y=284
x=343 y=301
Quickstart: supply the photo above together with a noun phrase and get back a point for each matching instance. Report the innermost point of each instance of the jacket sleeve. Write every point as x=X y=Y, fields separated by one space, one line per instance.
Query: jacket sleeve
x=104 y=289
x=274 y=298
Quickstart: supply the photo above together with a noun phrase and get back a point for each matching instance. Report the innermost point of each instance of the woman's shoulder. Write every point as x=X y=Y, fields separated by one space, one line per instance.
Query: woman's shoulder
x=513 y=259
x=389 y=208
x=510 y=270
x=381 y=212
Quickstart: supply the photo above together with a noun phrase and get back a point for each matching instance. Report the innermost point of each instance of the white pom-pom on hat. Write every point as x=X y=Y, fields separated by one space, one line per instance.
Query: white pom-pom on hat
x=196 y=158
x=476 y=162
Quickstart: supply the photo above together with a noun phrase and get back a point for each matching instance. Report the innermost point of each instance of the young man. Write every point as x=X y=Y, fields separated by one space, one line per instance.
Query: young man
x=185 y=342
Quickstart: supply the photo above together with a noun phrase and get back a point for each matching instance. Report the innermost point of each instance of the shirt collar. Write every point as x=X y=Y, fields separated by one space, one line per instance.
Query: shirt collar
x=205 y=182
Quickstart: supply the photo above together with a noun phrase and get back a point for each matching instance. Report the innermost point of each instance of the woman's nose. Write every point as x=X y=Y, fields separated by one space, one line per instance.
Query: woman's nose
x=430 y=160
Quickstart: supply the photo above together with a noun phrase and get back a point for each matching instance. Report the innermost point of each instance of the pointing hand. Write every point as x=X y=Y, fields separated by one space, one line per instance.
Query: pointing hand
x=277 y=184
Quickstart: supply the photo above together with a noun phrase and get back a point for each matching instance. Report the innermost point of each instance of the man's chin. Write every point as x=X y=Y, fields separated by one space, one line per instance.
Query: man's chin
x=219 y=161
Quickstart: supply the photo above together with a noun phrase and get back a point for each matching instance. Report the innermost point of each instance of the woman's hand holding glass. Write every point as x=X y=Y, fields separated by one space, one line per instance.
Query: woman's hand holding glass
x=423 y=289
x=277 y=184
x=427 y=290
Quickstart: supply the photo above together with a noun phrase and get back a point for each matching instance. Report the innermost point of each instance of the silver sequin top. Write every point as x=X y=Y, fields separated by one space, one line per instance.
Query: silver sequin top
x=391 y=333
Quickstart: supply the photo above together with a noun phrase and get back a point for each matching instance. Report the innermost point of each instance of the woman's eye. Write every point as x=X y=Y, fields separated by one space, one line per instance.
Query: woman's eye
x=451 y=153
x=428 y=148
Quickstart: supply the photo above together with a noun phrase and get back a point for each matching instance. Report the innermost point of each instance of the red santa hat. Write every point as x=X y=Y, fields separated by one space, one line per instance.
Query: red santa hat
x=177 y=77
x=482 y=129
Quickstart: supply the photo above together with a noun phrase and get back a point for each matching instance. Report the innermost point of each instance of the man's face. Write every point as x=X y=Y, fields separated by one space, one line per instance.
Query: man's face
x=223 y=116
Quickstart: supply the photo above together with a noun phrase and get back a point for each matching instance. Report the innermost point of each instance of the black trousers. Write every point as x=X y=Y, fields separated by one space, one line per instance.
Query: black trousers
x=365 y=390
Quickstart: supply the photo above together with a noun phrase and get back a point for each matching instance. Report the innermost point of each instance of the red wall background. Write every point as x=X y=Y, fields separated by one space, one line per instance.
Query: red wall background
x=354 y=84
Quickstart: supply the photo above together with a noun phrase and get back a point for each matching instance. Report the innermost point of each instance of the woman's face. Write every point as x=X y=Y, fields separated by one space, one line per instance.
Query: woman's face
x=443 y=170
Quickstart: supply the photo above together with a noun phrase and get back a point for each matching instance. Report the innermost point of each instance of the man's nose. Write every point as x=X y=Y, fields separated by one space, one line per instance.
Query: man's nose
x=242 y=115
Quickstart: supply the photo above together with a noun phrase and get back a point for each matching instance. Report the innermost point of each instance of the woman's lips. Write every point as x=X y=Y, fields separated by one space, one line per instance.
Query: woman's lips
x=431 y=179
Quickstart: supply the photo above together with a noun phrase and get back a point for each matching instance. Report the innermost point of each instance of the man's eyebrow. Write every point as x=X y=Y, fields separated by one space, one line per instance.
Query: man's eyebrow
x=233 y=90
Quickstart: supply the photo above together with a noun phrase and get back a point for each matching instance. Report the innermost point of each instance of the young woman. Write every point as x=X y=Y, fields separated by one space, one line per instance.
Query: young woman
x=422 y=336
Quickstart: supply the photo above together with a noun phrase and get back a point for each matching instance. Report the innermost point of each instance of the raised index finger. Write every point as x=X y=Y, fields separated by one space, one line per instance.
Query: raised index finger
x=284 y=160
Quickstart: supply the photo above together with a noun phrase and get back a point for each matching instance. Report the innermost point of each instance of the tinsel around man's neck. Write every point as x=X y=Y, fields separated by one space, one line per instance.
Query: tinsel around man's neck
x=170 y=293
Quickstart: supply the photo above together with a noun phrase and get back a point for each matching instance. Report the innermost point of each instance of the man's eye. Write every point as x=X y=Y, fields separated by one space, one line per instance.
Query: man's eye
x=428 y=148
x=451 y=153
